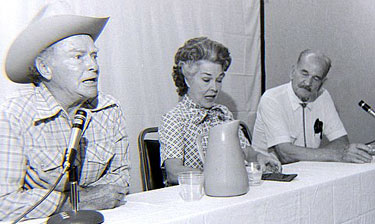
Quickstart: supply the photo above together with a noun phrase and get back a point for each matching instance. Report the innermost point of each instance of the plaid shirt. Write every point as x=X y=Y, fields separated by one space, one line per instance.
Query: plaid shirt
x=34 y=133
x=181 y=127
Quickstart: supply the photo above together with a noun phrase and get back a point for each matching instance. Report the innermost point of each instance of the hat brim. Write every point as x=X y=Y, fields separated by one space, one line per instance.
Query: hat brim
x=41 y=34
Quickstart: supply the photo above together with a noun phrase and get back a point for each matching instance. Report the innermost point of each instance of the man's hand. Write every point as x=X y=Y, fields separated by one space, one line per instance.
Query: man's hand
x=101 y=197
x=356 y=153
x=269 y=163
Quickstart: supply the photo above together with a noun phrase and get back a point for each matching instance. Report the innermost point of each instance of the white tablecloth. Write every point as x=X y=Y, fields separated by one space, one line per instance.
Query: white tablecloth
x=323 y=192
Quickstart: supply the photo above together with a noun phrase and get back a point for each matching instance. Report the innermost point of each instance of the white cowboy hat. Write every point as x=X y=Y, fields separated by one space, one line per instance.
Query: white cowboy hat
x=39 y=35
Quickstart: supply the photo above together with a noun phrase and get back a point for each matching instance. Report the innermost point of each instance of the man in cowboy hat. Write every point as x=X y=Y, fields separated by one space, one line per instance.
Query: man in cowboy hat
x=57 y=55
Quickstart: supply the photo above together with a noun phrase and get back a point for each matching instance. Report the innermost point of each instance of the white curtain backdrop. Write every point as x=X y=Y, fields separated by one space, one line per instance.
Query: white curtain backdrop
x=137 y=51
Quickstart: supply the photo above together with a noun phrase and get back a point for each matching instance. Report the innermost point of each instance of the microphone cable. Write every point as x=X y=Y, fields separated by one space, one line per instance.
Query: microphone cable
x=78 y=124
x=41 y=200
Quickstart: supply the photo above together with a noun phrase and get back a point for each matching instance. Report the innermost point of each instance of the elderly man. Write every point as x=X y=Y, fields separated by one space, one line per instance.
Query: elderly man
x=292 y=118
x=58 y=56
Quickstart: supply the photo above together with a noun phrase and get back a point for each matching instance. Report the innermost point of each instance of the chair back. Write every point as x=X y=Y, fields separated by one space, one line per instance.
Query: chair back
x=149 y=156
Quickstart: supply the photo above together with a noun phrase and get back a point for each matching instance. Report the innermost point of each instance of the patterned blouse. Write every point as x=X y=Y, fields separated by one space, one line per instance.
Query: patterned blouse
x=181 y=127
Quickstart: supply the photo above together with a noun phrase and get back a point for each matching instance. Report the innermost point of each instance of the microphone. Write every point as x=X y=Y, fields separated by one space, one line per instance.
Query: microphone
x=70 y=155
x=75 y=136
x=366 y=108
x=76 y=215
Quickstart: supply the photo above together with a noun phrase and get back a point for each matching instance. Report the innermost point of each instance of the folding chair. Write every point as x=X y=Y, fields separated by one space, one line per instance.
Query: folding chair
x=149 y=156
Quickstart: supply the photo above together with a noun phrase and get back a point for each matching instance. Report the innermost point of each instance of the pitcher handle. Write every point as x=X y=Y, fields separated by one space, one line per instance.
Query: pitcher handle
x=200 y=148
x=244 y=125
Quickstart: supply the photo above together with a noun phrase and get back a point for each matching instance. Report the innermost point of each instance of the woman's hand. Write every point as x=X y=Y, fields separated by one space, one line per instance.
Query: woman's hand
x=173 y=167
x=269 y=163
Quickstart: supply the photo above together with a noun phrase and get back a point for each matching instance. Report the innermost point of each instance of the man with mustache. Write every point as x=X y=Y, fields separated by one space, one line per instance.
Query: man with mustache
x=292 y=118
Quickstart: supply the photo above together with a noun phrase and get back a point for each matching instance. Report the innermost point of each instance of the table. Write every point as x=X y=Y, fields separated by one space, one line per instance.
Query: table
x=323 y=192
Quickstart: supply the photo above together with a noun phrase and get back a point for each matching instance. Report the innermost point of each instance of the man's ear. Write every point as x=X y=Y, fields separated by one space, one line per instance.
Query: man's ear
x=292 y=73
x=43 y=68
x=322 y=82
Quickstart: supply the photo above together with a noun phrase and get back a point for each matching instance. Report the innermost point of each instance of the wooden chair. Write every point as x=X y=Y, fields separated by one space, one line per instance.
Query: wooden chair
x=149 y=156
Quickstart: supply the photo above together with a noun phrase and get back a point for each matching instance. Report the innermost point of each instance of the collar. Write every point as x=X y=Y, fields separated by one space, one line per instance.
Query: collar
x=45 y=104
x=47 y=107
x=294 y=100
x=201 y=113
x=99 y=103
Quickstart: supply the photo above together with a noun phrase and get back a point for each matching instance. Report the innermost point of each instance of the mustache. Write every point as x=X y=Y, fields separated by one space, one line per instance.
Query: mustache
x=308 y=88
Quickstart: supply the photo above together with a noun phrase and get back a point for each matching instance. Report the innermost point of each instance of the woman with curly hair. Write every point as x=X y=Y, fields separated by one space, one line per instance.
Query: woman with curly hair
x=198 y=73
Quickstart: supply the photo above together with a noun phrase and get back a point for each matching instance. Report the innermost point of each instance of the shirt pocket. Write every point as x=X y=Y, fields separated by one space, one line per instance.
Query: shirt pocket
x=45 y=166
x=98 y=162
x=316 y=141
x=46 y=160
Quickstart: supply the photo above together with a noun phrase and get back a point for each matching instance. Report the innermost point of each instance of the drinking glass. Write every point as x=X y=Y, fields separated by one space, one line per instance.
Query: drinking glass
x=254 y=173
x=191 y=185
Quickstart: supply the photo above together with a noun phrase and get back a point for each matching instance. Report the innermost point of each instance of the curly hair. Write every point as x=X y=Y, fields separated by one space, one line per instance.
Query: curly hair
x=196 y=49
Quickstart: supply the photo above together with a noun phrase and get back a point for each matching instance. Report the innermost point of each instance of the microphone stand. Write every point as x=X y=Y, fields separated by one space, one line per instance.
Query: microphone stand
x=73 y=188
x=76 y=215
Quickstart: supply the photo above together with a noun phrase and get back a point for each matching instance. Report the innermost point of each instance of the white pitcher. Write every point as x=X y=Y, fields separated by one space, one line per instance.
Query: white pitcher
x=224 y=168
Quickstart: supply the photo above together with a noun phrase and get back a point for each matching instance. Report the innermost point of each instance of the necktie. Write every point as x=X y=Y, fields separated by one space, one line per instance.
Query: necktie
x=303 y=105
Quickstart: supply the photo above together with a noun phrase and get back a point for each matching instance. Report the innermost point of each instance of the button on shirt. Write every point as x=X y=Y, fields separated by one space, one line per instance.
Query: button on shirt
x=34 y=133
x=280 y=119
x=181 y=127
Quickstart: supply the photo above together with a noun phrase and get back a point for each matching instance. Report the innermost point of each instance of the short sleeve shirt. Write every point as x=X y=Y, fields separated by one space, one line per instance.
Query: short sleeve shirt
x=181 y=127
x=282 y=119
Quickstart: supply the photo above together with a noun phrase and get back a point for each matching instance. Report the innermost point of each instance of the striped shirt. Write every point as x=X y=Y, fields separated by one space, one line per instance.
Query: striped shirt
x=34 y=133
x=181 y=127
